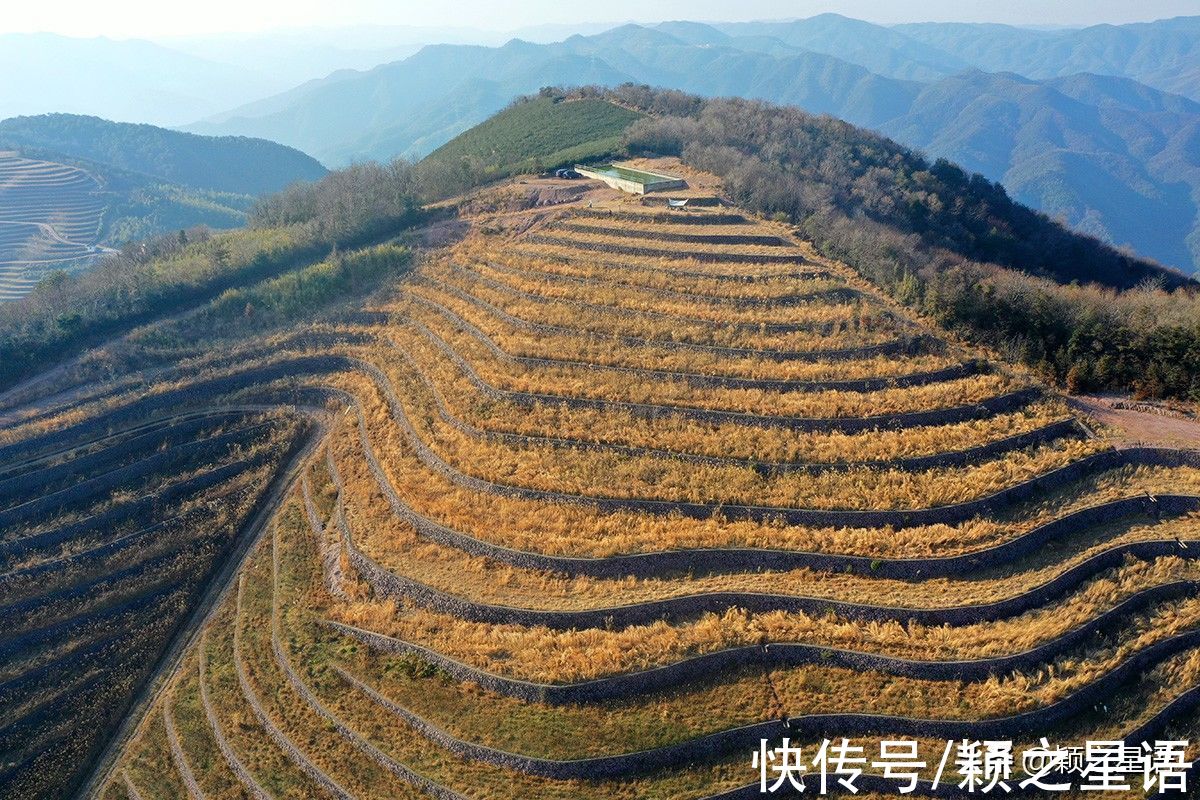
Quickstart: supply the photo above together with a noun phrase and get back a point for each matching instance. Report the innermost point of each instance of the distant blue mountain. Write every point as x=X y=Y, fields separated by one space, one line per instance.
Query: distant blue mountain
x=1110 y=154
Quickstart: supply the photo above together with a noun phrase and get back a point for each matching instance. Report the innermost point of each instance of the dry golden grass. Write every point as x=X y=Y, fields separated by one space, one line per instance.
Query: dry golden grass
x=626 y=222
x=481 y=276
x=396 y=546
x=582 y=382
x=581 y=530
x=609 y=352
x=542 y=253
x=299 y=596
x=805 y=689
x=675 y=250
x=606 y=349
x=600 y=322
x=601 y=474
x=708 y=438
x=289 y=594
x=789 y=304
x=556 y=656
x=707 y=286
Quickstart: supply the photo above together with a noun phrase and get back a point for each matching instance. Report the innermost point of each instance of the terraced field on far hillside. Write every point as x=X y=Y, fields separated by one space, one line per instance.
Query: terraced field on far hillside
x=50 y=217
x=605 y=496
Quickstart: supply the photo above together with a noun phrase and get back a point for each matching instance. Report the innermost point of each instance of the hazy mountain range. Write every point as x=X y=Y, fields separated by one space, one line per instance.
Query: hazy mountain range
x=177 y=80
x=1107 y=149
x=1099 y=125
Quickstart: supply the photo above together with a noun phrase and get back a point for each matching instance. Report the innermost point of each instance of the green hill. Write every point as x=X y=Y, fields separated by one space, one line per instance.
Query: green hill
x=233 y=164
x=1101 y=150
x=72 y=187
x=543 y=133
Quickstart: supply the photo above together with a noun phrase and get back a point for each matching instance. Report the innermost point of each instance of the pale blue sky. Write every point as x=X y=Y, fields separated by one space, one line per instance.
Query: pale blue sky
x=140 y=18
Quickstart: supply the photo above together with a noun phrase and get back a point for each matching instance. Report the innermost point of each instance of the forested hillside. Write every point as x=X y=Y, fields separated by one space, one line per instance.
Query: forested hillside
x=126 y=183
x=237 y=165
x=1100 y=149
x=178 y=271
x=1162 y=54
x=948 y=242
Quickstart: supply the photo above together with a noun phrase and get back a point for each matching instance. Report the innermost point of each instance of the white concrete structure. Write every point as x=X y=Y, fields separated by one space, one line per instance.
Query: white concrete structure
x=631 y=179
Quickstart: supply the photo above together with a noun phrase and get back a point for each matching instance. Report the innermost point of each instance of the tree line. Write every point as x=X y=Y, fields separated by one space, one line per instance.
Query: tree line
x=949 y=244
x=299 y=226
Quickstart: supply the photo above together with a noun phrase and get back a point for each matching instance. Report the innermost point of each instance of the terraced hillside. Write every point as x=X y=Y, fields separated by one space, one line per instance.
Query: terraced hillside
x=50 y=216
x=116 y=517
x=605 y=496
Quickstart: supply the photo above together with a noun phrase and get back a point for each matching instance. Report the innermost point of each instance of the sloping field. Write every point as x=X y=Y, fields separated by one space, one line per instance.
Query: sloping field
x=598 y=507
x=111 y=530
x=50 y=217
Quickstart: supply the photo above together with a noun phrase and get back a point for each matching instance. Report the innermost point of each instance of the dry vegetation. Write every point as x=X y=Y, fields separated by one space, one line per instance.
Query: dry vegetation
x=273 y=696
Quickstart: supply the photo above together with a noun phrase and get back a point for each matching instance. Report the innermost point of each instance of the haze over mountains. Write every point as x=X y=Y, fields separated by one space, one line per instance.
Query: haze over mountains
x=1082 y=124
x=1099 y=126
x=127 y=81
x=177 y=80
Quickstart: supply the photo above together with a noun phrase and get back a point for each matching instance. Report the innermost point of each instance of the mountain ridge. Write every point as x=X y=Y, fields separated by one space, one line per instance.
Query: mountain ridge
x=238 y=164
x=1130 y=139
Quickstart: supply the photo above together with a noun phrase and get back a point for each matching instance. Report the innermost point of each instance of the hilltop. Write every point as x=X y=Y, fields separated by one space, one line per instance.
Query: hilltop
x=539 y=134
x=1062 y=119
x=585 y=503
x=523 y=492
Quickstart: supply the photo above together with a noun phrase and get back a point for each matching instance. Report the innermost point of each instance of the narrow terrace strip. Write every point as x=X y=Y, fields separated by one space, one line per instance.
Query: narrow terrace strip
x=899 y=381
x=740 y=559
x=821 y=298
x=252 y=786
x=762 y=239
x=533 y=253
x=174 y=457
x=745 y=739
x=771 y=655
x=896 y=347
x=401 y=771
x=828 y=294
x=387 y=584
x=1009 y=401
x=104 y=452
x=272 y=730
x=674 y=218
x=177 y=755
x=107 y=438
x=197 y=392
x=1062 y=429
x=673 y=253
x=123 y=511
x=946 y=514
